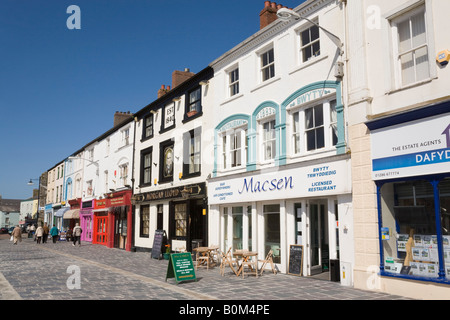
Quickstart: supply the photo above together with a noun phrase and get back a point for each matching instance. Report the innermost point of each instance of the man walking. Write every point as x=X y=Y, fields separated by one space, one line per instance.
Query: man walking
x=17 y=234
x=77 y=235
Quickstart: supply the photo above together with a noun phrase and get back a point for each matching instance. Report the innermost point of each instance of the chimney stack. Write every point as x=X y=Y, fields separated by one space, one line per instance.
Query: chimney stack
x=119 y=117
x=178 y=77
x=269 y=13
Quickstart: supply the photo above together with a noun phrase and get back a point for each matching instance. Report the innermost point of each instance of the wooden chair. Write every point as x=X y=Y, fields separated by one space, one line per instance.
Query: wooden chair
x=252 y=264
x=214 y=254
x=227 y=260
x=268 y=259
x=201 y=259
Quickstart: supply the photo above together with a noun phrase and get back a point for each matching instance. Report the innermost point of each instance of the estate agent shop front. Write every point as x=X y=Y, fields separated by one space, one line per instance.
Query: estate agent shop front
x=283 y=206
x=411 y=156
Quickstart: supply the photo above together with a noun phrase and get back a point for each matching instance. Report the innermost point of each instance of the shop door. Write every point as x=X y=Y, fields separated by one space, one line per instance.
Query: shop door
x=318 y=238
x=120 y=229
x=101 y=227
x=87 y=229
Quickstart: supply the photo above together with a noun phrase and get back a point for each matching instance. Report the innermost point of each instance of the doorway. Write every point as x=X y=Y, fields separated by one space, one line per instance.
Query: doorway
x=101 y=229
x=319 y=244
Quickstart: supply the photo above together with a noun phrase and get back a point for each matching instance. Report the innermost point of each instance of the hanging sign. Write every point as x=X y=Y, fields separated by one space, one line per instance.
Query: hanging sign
x=181 y=267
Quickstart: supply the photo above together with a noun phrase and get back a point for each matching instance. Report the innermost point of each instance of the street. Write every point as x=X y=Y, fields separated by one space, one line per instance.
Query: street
x=60 y=271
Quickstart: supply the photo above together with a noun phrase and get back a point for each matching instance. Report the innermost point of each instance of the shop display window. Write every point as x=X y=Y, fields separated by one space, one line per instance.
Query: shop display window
x=272 y=236
x=415 y=227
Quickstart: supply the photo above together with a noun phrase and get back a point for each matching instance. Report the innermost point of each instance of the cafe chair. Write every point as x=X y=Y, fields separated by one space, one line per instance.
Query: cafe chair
x=214 y=255
x=252 y=265
x=201 y=260
x=268 y=260
x=227 y=260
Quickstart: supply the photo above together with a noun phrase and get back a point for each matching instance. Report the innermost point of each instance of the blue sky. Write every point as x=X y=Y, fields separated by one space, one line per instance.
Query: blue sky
x=60 y=88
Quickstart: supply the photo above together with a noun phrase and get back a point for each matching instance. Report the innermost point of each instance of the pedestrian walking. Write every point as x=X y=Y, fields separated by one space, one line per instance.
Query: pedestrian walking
x=17 y=234
x=46 y=232
x=77 y=234
x=33 y=229
x=54 y=233
x=39 y=234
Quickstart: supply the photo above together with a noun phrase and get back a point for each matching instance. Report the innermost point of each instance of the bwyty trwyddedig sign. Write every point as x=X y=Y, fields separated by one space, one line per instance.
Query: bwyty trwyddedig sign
x=181 y=267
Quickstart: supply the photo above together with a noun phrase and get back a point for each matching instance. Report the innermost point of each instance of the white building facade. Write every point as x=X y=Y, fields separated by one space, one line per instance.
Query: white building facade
x=399 y=117
x=173 y=157
x=282 y=175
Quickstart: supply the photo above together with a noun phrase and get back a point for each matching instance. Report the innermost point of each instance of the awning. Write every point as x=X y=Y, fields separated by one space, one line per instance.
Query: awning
x=61 y=211
x=72 y=214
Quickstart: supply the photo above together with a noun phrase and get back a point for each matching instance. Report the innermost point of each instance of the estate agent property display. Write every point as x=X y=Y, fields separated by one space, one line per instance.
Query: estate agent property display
x=411 y=160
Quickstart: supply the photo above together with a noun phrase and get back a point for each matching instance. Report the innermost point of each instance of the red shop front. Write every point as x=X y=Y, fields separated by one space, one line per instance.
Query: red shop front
x=113 y=221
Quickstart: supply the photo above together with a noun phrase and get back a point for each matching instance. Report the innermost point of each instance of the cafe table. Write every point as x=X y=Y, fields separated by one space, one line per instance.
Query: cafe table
x=244 y=257
x=203 y=256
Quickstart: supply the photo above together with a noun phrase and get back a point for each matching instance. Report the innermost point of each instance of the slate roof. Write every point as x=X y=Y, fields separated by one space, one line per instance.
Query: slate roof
x=10 y=205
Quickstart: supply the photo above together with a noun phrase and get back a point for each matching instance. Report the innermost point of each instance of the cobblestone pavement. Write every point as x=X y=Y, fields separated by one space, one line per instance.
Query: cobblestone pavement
x=30 y=271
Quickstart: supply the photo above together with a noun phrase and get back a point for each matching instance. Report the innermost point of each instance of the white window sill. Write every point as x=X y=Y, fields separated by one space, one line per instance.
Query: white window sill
x=309 y=63
x=265 y=83
x=236 y=96
x=412 y=85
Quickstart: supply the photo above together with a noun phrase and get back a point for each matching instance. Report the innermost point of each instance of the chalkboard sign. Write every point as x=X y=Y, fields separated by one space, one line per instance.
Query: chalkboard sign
x=181 y=267
x=158 y=242
x=295 y=260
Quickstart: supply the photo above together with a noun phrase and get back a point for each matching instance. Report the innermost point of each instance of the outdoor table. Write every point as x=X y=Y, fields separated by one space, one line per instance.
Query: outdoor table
x=243 y=256
x=203 y=256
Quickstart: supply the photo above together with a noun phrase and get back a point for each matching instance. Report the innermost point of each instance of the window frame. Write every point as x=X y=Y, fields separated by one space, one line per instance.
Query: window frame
x=188 y=155
x=146 y=126
x=226 y=151
x=268 y=66
x=148 y=151
x=272 y=140
x=310 y=44
x=233 y=82
x=393 y=78
x=142 y=233
x=327 y=126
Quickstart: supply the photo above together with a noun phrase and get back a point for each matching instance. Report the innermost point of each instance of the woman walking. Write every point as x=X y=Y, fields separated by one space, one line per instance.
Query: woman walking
x=54 y=233
x=39 y=234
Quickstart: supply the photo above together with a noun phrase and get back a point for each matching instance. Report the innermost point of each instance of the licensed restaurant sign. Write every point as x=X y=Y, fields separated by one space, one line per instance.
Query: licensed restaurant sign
x=415 y=148
x=329 y=178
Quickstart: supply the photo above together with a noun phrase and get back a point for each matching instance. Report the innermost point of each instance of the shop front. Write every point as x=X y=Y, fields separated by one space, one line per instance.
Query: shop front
x=272 y=209
x=180 y=211
x=86 y=220
x=112 y=221
x=410 y=166
x=100 y=222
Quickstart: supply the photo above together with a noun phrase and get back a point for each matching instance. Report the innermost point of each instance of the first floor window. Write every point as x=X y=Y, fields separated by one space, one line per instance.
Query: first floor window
x=314 y=129
x=234 y=148
x=268 y=140
x=412 y=46
x=123 y=174
x=145 y=221
x=146 y=163
x=192 y=152
x=410 y=224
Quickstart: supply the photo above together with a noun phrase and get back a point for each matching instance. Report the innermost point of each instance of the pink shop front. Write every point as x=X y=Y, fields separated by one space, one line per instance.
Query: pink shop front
x=86 y=222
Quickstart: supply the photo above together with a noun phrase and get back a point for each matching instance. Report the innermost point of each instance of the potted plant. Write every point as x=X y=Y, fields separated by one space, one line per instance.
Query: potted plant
x=167 y=253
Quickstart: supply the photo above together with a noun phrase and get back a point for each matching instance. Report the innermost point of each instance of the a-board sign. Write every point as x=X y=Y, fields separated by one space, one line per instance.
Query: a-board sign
x=295 y=259
x=181 y=267
x=158 y=242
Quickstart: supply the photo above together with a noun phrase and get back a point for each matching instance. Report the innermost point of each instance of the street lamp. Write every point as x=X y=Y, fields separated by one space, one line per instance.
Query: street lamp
x=30 y=183
x=285 y=14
